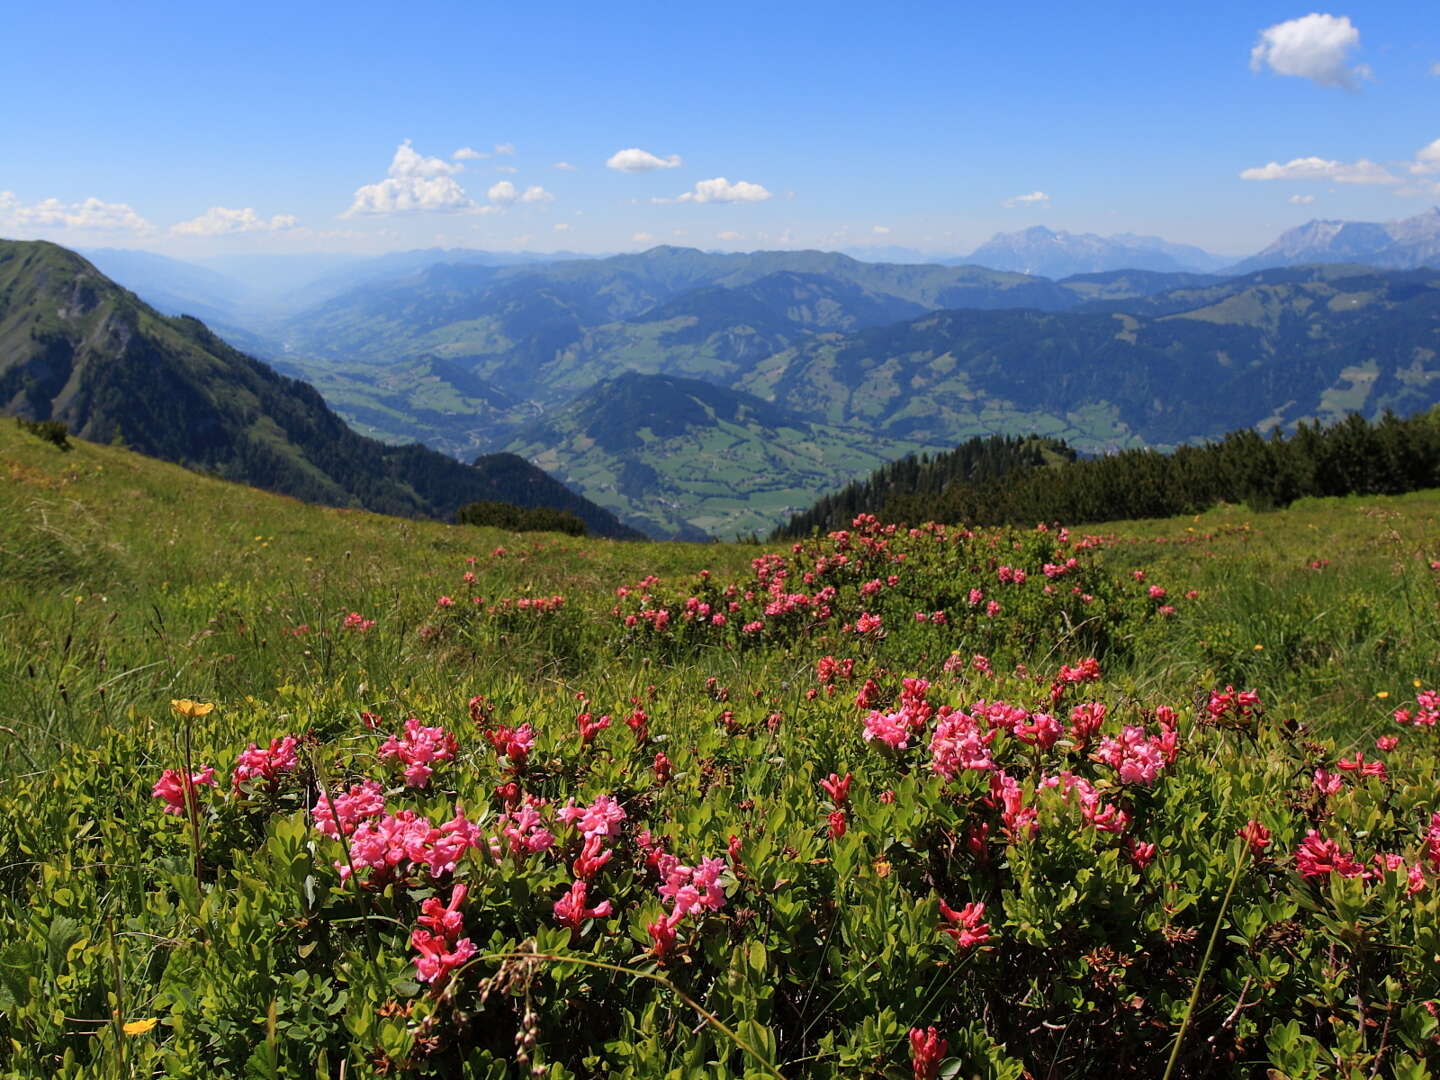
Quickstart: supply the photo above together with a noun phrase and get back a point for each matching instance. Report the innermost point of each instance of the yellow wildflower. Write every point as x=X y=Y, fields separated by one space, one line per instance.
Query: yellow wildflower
x=139 y=1027
x=192 y=709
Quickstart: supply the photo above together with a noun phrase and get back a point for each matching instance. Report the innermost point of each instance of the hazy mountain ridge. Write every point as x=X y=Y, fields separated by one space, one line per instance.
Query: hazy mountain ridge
x=77 y=348
x=1269 y=350
x=472 y=357
x=1058 y=254
x=1402 y=244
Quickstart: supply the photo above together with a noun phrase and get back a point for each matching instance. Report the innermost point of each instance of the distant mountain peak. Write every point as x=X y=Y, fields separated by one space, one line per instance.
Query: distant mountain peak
x=1056 y=253
x=1398 y=244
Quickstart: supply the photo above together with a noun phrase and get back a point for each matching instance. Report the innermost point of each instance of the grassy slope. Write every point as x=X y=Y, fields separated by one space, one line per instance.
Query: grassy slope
x=125 y=582
x=175 y=569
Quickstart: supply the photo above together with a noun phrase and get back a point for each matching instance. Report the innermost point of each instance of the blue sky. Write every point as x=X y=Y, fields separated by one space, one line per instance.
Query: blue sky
x=203 y=129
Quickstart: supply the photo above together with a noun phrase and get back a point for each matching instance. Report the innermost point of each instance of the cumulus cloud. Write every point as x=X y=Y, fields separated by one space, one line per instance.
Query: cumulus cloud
x=1362 y=171
x=537 y=194
x=563 y=166
x=1035 y=198
x=635 y=160
x=561 y=226
x=91 y=213
x=1427 y=159
x=221 y=221
x=1301 y=200
x=1314 y=47
x=413 y=183
x=880 y=230
x=468 y=153
x=728 y=234
x=505 y=148
x=722 y=191
x=502 y=194
x=408 y=163
x=643 y=238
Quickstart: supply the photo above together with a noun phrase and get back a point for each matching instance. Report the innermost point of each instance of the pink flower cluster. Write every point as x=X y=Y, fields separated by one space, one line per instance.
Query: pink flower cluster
x=687 y=890
x=356 y=621
x=267 y=765
x=513 y=744
x=959 y=744
x=437 y=939
x=170 y=788
x=927 y=1051
x=364 y=800
x=600 y=818
x=1137 y=757
x=522 y=832
x=1426 y=712
x=1020 y=821
x=572 y=910
x=417 y=749
x=965 y=927
x=895 y=729
x=1102 y=816
x=397 y=843
x=1242 y=703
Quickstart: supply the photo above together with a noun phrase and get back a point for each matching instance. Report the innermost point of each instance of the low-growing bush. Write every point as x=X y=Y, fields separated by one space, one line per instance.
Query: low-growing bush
x=503 y=515
x=52 y=431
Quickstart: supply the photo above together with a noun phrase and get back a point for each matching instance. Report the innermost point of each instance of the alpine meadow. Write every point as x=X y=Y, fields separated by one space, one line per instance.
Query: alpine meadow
x=808 y=543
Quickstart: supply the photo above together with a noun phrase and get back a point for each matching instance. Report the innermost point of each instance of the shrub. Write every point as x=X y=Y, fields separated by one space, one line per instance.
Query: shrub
x=503 y=515
x=53 y=431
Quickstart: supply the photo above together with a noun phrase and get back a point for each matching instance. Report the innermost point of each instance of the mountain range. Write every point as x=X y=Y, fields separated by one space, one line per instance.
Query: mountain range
x=1057 y=254
x=693 y=393
x=1404 y=244
x=77 y=348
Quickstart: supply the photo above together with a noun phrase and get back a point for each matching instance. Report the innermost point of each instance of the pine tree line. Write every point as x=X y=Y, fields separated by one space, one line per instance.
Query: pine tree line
x=985 y=457
x=1354 y=456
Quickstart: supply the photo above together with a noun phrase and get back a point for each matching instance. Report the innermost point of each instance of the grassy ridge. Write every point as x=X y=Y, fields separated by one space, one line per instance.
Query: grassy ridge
x=125 y=583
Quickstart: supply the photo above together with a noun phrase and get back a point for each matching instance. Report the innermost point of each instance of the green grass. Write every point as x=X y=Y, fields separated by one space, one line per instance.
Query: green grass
x=126 y=583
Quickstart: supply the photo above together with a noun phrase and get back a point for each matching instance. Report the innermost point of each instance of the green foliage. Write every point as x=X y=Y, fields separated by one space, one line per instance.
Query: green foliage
x=924 y=478
x=1353 y=457
x=508 y=516
x=51 y=431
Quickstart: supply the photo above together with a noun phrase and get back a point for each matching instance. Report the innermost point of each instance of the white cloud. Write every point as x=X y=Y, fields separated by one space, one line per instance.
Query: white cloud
x=1427 y=159
x=880 y=230
x=91 y=213
x=1314 y=47
x=1362 y=171
x=503 y=193
x=635 y=160
x=1301 y=200
x=642 y=238
x=728 y=234
x=505 y=148
x=1035 y=198
x=413 y=183
x=510 y=169
x=721 y=190
x=220 y=221
x=468 y=153
x=563 y=166
x=409 y=163
x=561 y=226
x=537 y=194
